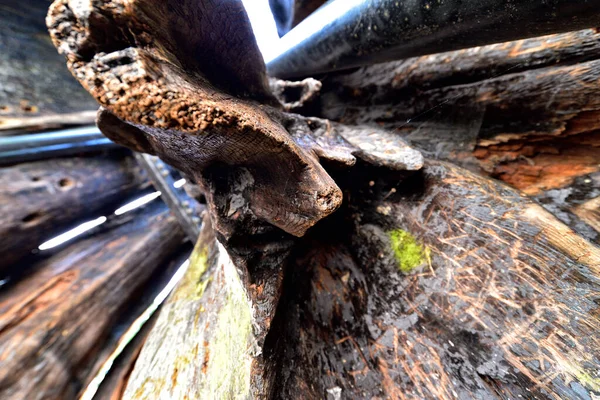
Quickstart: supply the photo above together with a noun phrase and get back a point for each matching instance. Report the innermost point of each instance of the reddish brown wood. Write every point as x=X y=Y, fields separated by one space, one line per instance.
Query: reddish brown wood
x=54 y=321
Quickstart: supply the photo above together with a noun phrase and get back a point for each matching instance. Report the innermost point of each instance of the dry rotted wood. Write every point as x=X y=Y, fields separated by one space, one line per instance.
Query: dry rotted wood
x=54 y=321
x=148 y=67
x=433 y=283
x=526 y=112
x=41 y=199
x=35 y=87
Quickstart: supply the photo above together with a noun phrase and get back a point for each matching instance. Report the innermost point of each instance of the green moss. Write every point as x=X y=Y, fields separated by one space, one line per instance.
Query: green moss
x=408 y=252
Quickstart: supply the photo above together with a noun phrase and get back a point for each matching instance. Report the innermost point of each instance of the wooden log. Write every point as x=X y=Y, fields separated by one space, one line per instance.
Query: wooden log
x=526 y=112
x=440 y=285
x=203 y=344
x=41 y=199
x=113 y=386
x=425 y=284
x=37 y=89
x=113 y=364
x=54 y=321
x=268 y=156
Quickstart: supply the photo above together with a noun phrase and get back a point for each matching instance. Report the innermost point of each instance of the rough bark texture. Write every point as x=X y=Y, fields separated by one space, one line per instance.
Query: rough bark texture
x=54 y=321
x=35 y=87
x=41 y=199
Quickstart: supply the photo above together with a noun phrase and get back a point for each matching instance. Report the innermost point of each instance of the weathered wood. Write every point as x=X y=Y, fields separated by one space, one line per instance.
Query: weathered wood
x=54 y=321
x=113 y=386
x=35 y=87
x=433 y=283
x=440 y=285
x=41 y=199
x=130 y=57
x=590 y=213
x=526 y=112
x=203 y=344
x=113 y=364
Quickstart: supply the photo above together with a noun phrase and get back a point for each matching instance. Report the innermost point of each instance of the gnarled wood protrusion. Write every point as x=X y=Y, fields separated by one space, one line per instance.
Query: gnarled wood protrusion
x=172 y=80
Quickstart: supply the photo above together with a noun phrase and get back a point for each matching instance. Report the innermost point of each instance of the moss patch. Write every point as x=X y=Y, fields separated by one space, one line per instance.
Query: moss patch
x=408 y=252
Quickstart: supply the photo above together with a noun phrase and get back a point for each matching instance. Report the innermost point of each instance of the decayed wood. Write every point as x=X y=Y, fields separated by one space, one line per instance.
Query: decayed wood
x=590 y=213
x=112 y=366
x=526 y=112
x=428 y=283
x=40 y=199
x=130 y=57
x=440 y=285
x=35 y=87
x=54 y=321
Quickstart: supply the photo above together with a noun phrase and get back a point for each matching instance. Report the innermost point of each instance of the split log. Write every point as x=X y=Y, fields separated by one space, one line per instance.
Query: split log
x=54 y=321
x=526 y=112
x=37 y=89
x=41 y=199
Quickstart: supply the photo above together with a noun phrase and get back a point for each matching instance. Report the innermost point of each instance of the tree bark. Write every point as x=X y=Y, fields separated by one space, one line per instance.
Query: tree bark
x=53 y=322
x=41 y=199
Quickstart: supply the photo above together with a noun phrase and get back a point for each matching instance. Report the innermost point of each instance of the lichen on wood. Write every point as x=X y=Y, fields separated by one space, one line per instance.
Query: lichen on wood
x=202 y=345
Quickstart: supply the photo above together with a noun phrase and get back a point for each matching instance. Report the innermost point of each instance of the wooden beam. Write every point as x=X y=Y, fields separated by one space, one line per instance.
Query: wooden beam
x=37 y=89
